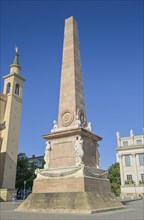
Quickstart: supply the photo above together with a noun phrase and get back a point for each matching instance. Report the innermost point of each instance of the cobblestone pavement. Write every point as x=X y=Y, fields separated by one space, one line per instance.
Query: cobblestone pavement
x=133 y=210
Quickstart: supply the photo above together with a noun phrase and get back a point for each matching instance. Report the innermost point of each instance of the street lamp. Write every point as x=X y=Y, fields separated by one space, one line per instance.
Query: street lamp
x=24 y=189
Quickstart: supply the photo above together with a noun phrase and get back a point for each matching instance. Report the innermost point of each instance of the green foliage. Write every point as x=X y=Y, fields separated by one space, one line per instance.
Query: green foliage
x=25 y=172
x=114 y=177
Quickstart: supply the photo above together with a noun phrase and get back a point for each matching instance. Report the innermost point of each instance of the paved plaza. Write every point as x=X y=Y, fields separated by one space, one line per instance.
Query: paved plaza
x=133 y=210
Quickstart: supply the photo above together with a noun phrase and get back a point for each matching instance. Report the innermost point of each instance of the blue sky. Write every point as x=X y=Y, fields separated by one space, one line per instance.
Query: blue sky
x=111 y=45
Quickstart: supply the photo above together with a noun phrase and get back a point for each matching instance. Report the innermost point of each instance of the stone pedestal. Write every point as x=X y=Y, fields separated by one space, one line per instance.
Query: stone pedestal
x=71 y=182
x=84 y=184
x=72 y=179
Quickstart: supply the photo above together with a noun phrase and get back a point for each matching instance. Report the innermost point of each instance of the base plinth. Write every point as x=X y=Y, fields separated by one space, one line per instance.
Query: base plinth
x=72 y=202
x=81 y=184
x=74 y=190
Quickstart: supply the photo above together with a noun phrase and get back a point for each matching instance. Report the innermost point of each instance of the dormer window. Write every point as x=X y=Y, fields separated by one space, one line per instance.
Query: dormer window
x=17 y=88
x=8 y=88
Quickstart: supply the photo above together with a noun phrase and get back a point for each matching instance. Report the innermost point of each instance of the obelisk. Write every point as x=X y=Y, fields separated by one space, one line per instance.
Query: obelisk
x=71 y=180
x=71 y=103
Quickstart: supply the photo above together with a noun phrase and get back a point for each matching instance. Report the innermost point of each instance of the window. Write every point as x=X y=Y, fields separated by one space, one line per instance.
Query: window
x=141 y=159
x=142 y=177
x=127 y=161
x=17 y=89
x=138 y=142
x=125 y=143
x=129 y=178
x=8 y=88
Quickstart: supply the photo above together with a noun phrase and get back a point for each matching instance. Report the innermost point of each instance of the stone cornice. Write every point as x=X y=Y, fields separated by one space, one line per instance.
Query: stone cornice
x=71 y=132
x=13 y=74
x=133 y=147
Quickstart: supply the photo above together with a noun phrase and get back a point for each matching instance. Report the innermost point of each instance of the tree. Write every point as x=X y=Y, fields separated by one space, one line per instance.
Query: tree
x=114 y=177
x=25 y=172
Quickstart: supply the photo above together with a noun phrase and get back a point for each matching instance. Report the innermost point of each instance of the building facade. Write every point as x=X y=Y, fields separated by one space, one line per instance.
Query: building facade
x=10 y=112
x=37 y=160
x=130 y=155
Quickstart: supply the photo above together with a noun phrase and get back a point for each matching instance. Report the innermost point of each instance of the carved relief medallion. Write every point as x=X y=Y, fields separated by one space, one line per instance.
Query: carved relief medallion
x=67 y=117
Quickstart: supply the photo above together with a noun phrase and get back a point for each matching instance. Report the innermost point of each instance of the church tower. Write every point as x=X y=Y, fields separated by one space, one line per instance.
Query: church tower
x=10 y=104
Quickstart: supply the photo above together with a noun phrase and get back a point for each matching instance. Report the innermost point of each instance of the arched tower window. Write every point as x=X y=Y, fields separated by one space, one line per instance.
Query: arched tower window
x=17 y=89
x=8 y=88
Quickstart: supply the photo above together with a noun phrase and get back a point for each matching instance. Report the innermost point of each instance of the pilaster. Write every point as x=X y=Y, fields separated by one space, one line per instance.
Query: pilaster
x=121 y=170
x=136 y=180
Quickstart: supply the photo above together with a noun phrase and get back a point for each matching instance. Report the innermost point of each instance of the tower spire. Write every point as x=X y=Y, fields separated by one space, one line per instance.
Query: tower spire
x=15 y=67
x=16 y=61
x=71 y=103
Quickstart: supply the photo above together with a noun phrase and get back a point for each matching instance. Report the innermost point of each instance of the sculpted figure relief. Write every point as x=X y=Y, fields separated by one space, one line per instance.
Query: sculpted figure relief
x=46 y=156
x=78 y=122
x=131 y=133
x=79 y=151
x=89 y=128
x=118 y=135
x=55 y=125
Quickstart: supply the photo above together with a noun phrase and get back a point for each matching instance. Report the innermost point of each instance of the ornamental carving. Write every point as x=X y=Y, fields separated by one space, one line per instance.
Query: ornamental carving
x=81 y=117
x=52 y=175
x=79 y=151
x=67 y=118
x=81 y=170
x=47 y=152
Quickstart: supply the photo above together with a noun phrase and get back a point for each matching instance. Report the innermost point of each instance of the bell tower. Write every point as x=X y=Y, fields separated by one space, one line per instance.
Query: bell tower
x=11 y=104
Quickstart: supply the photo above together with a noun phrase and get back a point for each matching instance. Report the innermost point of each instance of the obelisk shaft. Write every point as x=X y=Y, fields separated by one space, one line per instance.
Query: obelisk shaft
x=71 y=101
